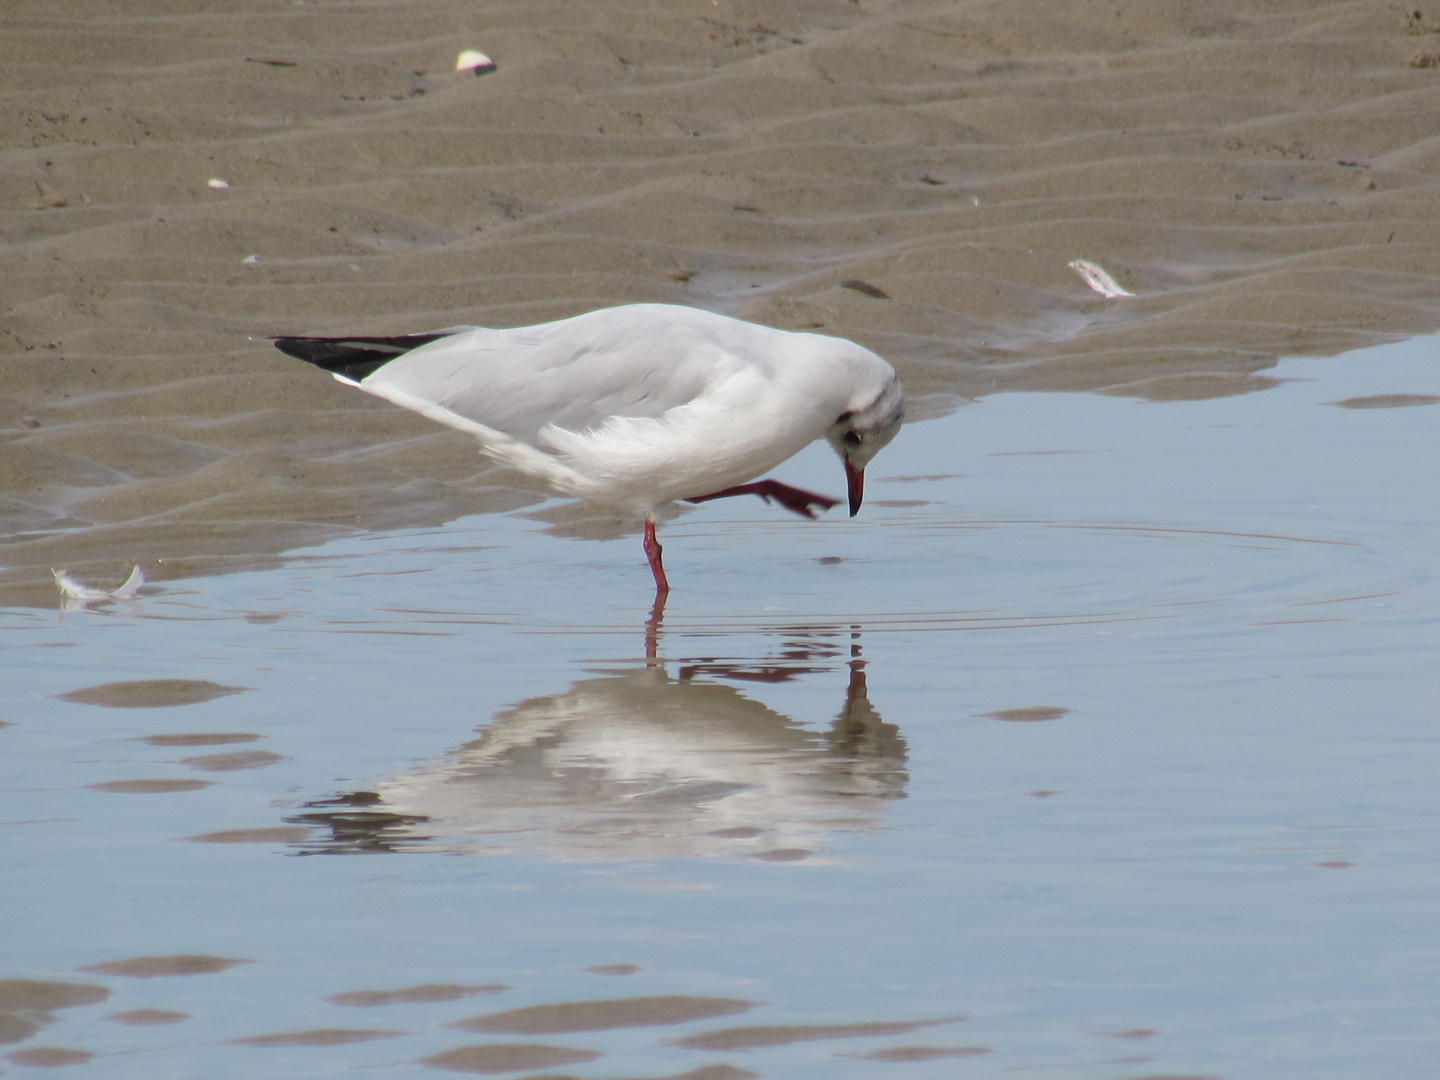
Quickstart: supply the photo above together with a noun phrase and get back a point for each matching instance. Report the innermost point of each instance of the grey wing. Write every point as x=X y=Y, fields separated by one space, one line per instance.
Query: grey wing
x=573 y=374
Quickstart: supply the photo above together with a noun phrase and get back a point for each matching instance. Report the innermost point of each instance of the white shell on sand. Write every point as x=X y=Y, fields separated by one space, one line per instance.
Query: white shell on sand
x=1098 y=278
x=216 y=182
x=478 y=62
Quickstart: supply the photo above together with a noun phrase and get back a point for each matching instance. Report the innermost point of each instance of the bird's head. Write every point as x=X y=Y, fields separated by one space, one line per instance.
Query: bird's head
x=862 y=431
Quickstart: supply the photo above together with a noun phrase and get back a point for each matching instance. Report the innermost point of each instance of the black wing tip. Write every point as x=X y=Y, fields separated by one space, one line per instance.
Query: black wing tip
x=351 y=357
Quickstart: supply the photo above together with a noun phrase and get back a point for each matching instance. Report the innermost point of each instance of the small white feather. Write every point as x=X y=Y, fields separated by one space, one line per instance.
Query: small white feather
x=1099 y=279
x=71 y=589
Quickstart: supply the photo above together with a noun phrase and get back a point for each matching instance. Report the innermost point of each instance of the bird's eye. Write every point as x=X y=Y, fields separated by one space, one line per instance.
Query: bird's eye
x=852 y=438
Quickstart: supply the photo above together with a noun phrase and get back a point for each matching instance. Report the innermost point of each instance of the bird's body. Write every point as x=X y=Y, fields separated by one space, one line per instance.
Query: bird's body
x=634 y=407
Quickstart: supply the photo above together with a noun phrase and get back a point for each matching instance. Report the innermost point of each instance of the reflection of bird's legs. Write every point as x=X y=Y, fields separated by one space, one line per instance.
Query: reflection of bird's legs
x=859 y=732
x=652 y=552
x=857 y=691
x=792 y=498
x=652 y=629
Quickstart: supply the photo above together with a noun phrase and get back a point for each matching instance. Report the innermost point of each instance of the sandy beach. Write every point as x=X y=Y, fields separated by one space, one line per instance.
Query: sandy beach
x=181 y=180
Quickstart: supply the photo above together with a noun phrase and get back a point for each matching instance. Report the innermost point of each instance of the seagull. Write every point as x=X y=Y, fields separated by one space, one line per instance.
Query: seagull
x=635 y=407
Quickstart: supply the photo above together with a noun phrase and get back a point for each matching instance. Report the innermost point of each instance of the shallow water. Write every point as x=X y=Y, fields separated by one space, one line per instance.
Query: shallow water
x=1107 y=726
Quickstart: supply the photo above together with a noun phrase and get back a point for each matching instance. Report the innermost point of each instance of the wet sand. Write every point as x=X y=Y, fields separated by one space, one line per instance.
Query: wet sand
x=1260 y=175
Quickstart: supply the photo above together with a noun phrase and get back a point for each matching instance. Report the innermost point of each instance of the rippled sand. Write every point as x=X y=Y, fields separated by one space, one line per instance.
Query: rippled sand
x=916 y=175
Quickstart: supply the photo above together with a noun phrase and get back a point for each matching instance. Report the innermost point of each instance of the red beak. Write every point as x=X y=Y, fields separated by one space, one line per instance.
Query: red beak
x=855 y=479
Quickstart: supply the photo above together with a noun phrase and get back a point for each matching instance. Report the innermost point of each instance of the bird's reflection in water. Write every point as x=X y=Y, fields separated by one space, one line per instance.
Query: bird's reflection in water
x=643 y=765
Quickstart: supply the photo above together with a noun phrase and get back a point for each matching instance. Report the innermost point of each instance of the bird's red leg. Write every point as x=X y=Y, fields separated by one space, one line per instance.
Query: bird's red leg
x=792 y=498
x=652 y=552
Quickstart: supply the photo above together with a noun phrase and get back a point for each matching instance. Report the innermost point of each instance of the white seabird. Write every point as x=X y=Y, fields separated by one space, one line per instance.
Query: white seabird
x=634 y=407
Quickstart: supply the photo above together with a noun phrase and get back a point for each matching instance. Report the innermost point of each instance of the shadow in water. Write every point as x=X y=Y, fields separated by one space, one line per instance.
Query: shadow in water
x=643 y=764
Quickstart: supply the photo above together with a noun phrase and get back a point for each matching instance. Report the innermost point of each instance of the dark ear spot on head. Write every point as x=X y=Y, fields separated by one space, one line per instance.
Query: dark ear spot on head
x=844 y=416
